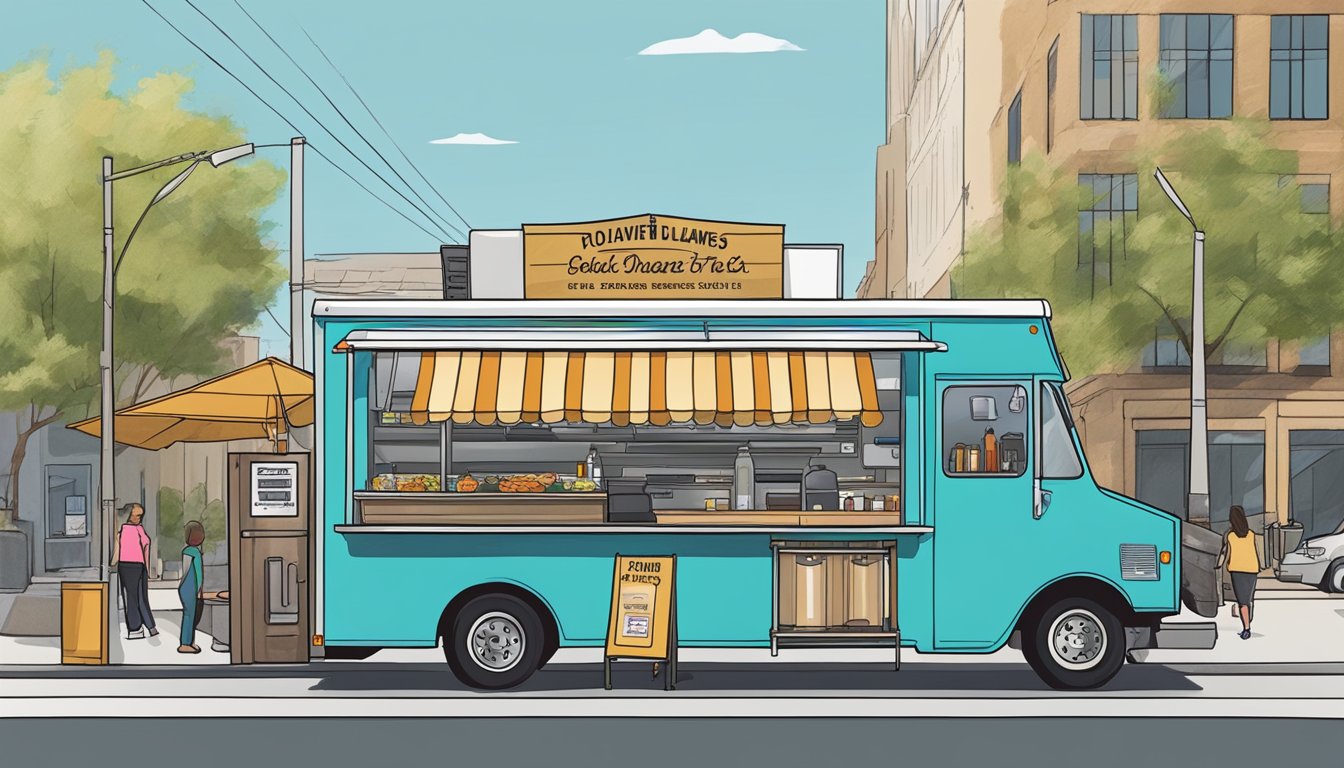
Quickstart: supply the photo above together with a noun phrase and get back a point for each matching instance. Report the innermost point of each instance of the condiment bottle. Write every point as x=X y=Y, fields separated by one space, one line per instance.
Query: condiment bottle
x=991 y=451
x=849 y=503
x=973 y=459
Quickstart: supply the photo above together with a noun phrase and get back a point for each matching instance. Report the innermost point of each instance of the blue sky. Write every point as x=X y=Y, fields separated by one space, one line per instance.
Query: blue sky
x=786 y=137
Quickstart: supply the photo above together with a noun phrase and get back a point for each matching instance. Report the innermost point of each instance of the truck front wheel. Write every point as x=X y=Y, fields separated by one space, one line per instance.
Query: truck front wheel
x=1075 y=644
x=496 y=641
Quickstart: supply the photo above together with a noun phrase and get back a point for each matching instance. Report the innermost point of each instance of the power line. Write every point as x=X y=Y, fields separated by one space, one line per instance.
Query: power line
x=286 y=121
x=314 y=118
x=277 y=322
x=380 y=125
x=343 y=117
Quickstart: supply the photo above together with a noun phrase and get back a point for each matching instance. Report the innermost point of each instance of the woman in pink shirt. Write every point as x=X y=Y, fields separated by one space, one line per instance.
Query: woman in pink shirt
x=130 y=556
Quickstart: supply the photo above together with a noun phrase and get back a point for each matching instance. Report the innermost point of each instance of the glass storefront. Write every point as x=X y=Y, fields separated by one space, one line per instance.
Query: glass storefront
x=1236 y=472
x=1316 y=484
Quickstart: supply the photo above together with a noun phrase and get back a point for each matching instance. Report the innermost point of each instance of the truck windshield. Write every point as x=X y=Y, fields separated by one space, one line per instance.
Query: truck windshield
x=1059 y=459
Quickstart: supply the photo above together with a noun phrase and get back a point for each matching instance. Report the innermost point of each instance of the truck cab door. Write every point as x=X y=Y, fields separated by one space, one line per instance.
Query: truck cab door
x=982 y=507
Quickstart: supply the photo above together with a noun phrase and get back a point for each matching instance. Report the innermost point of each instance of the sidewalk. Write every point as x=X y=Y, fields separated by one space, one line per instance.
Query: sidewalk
x=157 y=651
x=1292 y=624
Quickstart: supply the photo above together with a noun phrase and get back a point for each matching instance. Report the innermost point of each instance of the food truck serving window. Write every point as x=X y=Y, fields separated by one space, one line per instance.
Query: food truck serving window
x=630 y=436
x=403 y=455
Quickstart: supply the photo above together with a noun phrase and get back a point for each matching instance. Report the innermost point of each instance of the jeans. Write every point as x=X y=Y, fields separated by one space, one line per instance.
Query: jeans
x=135 y=591
x=192 y=608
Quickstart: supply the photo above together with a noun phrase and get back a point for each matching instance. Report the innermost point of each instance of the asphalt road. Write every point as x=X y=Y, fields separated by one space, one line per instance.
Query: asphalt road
x=653 y=742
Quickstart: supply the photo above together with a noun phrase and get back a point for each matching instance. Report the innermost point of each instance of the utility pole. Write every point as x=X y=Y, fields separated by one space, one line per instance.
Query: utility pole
x=1198 y=502
x=296 y=251
x=106 y=482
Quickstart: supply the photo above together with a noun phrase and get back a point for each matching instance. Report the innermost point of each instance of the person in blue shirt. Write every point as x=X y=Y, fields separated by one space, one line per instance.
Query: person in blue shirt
x=189 y=590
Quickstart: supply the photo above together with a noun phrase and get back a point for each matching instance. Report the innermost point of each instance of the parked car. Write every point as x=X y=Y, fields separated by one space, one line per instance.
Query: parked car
x=1318 y=561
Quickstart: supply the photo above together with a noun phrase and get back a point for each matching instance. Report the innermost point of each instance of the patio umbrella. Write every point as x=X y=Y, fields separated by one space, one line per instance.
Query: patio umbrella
x=257 y=401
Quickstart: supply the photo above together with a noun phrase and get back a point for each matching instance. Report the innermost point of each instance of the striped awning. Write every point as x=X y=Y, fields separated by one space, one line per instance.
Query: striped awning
x=622 y=388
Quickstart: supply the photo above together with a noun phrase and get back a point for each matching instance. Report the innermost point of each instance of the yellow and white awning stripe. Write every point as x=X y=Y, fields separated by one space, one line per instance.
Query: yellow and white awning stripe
x=622 y=388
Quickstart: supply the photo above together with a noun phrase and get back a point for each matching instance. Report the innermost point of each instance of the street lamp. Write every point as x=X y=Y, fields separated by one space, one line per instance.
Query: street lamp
x=107 y=470
x=1197 y=503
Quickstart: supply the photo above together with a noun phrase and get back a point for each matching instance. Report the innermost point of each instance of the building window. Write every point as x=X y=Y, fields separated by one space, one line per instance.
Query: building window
x=978 y=418
x=1313 y=191
x=1299 y=56
x=1196 y=62
x=1236 y=473
x=1316 y=480
x=1315 y=352
x=1051 y=80
x=1015 y=130
x=1108 y=210
x=1110 y=67
x=1236 y=354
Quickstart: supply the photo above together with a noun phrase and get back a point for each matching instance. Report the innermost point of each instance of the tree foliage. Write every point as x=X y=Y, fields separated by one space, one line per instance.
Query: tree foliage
x=200 y=268
x=175 y=509
x=1271 y=270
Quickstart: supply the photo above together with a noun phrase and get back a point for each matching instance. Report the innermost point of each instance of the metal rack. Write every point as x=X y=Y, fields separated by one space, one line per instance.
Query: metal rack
x=890 y=629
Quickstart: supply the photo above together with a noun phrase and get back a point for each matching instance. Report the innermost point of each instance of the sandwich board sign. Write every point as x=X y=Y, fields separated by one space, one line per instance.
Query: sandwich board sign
x=643 y=619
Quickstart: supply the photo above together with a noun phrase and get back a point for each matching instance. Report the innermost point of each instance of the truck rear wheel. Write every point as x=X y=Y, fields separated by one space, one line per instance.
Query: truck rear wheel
x=1075 y=644
x=496 y=641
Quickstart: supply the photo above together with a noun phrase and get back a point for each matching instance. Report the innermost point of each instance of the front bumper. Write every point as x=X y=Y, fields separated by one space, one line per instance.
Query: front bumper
x=1303 y=569
x=1182 y=635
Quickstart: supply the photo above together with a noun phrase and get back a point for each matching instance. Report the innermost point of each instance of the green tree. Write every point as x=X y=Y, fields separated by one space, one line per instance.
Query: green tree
x=1271 y=270
x=200 y=269
x=175 y=509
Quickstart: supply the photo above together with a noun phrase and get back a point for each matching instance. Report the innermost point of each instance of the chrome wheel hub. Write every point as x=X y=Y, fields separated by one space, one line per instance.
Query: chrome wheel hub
x=496 y=642
x=1077 y=639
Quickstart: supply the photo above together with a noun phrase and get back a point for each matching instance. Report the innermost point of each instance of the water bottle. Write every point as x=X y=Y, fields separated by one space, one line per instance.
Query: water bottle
x=744 y=480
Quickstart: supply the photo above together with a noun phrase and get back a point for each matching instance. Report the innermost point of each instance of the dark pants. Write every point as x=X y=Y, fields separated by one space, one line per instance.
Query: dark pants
x=135 y=590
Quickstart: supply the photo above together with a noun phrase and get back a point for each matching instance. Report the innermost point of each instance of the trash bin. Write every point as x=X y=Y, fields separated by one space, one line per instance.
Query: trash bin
x=217 y=608
x=1273 y=546
x=84 y=622
x=1292 y=533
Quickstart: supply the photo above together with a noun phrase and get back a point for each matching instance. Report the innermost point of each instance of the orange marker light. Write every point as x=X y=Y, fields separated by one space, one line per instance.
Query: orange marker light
x=317 y=639
x=1165 y=557
x=1033 y=330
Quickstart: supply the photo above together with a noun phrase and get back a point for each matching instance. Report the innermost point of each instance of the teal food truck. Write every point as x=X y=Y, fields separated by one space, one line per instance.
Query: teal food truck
x=899 y=474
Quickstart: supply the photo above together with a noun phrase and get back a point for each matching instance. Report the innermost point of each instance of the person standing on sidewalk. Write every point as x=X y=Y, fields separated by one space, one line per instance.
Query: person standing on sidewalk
x=130 y=556
x=189 y=590
x=1243 y=565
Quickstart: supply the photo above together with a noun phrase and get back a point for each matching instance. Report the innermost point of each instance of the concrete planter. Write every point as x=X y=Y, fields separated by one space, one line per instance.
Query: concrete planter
x=15 y=560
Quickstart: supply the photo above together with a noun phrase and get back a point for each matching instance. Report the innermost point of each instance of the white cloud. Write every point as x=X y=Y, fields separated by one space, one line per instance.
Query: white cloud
x=472 y=138
x=710 y=41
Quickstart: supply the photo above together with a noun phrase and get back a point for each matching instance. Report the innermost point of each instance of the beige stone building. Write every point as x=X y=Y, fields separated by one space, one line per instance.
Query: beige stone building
x=974 y=86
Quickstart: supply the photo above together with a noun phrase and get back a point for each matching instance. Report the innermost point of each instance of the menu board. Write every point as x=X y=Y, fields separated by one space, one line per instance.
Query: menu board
x=642 y=611
x=275 y=489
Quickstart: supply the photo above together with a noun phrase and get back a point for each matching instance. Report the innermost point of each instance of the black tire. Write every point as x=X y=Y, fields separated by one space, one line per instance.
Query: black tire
x=1094 y=628
x=1332 y=576
x=547 y=652
x=509 y=635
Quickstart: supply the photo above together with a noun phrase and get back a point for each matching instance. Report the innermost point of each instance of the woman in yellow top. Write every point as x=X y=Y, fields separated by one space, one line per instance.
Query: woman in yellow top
x=1243 y=564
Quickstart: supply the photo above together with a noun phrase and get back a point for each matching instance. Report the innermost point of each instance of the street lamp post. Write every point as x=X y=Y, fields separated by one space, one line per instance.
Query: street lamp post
x=107 y=469
x=1197 y=503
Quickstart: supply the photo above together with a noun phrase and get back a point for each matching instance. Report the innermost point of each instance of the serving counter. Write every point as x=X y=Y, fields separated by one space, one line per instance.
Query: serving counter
x=776 y=518
x=479 y=508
